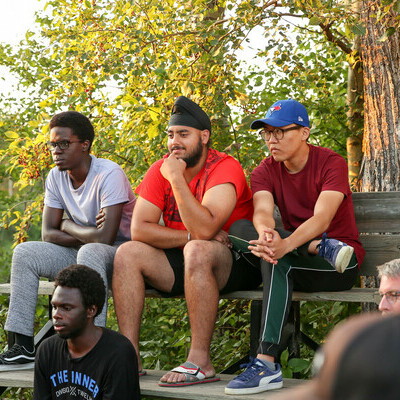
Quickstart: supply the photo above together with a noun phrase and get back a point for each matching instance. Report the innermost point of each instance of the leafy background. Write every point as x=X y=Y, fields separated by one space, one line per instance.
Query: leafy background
x=122 y=63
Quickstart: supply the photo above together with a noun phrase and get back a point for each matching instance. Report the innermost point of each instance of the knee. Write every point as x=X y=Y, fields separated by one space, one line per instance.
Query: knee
x=197 y=256
x=97 y=256
x=89 y=251
x=128 y=256
x=25 y=255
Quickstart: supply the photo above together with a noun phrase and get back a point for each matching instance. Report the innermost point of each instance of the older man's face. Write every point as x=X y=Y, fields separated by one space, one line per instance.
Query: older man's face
x=390 y=290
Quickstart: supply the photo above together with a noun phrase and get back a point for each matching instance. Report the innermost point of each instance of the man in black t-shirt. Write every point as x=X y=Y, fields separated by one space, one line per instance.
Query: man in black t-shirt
x=83 y=360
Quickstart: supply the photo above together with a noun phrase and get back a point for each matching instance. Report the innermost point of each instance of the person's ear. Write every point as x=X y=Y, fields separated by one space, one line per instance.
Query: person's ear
x=85 y=145
x=91 y=311
x=205 y=136
x=305 y=133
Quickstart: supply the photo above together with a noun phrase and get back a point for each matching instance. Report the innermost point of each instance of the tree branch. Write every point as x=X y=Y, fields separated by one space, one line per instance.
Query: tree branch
x=326 y=29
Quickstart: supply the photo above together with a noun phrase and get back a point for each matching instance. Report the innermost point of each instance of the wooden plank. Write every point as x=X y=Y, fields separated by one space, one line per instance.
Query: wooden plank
x=355 y=295
x=209 y=391
x=352 y=295
x=379 y=249
x=377 y=211
x=149 y=386
x=5 y=288
x=45 y=288
x=23 y=379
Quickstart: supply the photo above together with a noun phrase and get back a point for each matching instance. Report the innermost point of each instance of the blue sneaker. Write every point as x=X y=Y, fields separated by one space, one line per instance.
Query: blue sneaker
x=256 y=378
x=337 y=253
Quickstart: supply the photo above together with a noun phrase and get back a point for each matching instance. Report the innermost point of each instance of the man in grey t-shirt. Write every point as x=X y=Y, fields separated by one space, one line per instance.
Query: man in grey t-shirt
x=83 y=188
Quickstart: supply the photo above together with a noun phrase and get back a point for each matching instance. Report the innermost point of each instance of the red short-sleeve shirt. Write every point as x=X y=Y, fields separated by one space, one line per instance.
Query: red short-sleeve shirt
x=219 y=168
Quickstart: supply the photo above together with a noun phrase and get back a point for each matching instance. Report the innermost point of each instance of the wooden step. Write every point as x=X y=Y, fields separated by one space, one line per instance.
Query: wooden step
x=362 y=295
x=150 y=388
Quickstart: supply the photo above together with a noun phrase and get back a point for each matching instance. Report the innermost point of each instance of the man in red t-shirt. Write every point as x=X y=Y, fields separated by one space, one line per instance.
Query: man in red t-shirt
x=318 y=249
x=199 y=192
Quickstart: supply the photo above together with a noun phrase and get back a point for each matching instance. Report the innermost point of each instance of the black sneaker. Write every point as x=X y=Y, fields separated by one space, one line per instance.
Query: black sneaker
x=17 y=358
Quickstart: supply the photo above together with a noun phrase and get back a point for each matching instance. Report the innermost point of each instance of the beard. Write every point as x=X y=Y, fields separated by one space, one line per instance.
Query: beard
x=193 y=158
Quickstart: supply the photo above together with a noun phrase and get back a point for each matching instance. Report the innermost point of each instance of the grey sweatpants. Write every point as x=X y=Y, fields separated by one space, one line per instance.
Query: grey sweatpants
x=32 y=260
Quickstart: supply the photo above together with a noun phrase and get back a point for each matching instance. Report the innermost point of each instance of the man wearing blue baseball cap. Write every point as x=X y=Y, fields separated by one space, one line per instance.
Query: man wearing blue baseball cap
x=318 y=249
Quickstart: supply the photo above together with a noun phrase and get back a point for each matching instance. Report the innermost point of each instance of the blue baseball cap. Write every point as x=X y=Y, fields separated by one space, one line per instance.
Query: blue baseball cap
x=282 y=113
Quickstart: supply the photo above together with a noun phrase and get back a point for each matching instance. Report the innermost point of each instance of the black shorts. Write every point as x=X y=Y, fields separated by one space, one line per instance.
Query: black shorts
x=244 y=275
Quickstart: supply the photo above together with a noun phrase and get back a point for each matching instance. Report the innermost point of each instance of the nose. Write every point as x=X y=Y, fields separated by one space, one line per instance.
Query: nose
x=56 y=150
x=56 y=313
x=273 y=139
x=175 y=140
x=384 y=305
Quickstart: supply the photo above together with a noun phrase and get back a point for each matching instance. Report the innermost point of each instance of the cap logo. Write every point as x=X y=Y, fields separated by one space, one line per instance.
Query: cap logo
x=300 y=119
x=273 y=109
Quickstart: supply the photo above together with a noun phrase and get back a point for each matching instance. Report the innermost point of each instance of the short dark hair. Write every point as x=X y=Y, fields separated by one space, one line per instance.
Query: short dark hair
x=87 y=280
x=79 y=123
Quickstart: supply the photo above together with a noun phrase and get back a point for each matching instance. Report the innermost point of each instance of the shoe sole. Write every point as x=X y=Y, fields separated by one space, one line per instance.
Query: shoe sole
x=16 y=367
x=253 y=390
x=343 y=258
x=187 y=383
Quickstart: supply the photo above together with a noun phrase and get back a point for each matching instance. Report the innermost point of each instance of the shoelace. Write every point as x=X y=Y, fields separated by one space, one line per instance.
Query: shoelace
x=252 y=368
x=321 y=246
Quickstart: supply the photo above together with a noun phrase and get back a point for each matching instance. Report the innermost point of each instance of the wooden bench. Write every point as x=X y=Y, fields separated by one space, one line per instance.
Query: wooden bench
x=378 y=220
x=150 y=388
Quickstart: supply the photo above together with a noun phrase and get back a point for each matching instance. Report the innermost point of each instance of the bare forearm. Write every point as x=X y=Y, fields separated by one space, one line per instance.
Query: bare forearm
x=87 y=234
x=262 y=221
x=159 y=236
x=197 y=219
x=311 y=229
x=61 y=238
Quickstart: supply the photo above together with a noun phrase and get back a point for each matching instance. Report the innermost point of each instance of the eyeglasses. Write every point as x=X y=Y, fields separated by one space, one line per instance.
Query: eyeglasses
x=63 y=145
x=278 y=133
x=391 y=296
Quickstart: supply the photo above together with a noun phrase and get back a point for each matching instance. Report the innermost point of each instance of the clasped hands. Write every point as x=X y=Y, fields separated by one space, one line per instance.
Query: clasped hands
x=269 y=246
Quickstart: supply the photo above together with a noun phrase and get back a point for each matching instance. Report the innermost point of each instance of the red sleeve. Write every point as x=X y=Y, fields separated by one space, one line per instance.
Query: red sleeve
x=152 y=187
x=335 y=175
x=228 y=171
x=260 y=178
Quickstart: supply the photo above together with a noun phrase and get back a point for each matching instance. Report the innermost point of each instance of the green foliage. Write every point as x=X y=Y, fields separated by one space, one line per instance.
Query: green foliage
x=42 y=315
x=123 y=63
x=291 y=366
x=318 y=318
x=165 y=332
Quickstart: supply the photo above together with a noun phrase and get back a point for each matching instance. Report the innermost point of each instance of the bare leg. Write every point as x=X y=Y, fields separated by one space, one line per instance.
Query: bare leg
x=312 y=248
x=266 y=357
x=134 y=264
x=207 y=269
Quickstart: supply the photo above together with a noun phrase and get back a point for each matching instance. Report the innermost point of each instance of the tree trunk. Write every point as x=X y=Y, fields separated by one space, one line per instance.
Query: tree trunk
x=355 y=102
x=355 y=122
x=381 y=62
